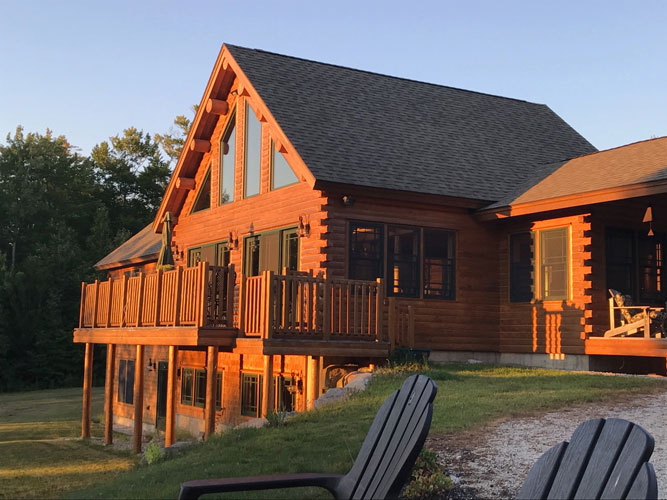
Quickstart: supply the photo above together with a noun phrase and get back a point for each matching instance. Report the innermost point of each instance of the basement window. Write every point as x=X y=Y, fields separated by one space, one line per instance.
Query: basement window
x=126 y=381
x=193 y=388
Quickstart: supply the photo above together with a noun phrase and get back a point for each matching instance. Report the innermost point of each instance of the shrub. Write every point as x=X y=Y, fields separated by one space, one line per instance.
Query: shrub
x=154 y=453
x=276 y=418
x=428 y=481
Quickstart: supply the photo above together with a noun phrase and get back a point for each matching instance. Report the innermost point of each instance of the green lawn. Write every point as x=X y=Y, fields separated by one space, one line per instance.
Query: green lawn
x=328 y=440
x=41 y=455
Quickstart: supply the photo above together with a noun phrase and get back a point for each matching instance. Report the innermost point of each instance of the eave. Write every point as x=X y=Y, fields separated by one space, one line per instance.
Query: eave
x=575 y=200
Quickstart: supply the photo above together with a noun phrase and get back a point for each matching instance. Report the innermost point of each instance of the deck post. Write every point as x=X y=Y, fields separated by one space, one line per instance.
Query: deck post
x=123 y=303
x=202 y=318
x=158 y=297
x=379 y=307
x=177 y=297
x=87 y=386
x=169 y=428
x=108 y=394
x=242 y=305
x=312 y=382
x=109 y=303
x=138 y=399
x=267 y=386
x=211 y=371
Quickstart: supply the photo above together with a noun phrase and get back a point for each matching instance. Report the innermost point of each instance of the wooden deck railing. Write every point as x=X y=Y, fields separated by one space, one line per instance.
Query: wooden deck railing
x=307 y=307
x=194 y=296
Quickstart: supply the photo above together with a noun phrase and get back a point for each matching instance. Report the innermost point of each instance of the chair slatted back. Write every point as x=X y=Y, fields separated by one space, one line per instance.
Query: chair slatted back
x=604 y=459
x=393 y=442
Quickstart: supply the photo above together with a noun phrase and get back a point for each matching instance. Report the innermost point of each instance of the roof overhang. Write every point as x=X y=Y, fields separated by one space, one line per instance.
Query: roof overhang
x=575 y=200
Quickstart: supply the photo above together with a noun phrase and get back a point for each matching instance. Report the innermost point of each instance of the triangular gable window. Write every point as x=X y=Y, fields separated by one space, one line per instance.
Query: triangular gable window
x=203 y=201
x=281 y=173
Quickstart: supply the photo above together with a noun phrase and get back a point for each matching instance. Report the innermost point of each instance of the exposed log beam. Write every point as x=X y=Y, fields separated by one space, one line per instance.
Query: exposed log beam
x=200 y=146
x=187 y=183
x=217 y=107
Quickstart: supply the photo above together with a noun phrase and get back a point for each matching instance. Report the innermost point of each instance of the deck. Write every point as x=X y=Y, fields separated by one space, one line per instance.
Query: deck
x=269 y=313
x=626 y=346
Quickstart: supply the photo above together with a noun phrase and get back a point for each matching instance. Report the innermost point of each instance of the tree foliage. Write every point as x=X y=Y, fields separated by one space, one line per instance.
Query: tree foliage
x=61 y=213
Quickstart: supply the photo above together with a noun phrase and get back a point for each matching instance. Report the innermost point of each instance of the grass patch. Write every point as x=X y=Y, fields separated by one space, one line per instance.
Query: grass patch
x=328 y=440
x=40 y=453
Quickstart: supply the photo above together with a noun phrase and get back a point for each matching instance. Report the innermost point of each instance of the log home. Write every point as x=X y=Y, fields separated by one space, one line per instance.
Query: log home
x=323 y=216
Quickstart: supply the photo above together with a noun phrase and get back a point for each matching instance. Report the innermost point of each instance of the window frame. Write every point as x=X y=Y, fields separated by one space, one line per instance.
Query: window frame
x=207 y=180
x=515 y=270
x=125 y=383
x=199 y=250
x=540 y=264
x=416 y=266
x=449 y=263
x=230 y=127
x=198 y=380
x=248 y=110
x=272 y=159
x=380 y=260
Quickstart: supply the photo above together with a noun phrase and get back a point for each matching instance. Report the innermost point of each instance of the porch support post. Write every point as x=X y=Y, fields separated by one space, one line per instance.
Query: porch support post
x=267 y=386
x=312 y=383
x=138 y=399
x=87 y=386
x=209 y=410
x=108 y=394
x=170 y=421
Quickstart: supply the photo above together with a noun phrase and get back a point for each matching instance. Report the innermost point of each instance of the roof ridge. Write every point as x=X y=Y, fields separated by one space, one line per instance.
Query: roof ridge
x=619 y=147
x=385 y=75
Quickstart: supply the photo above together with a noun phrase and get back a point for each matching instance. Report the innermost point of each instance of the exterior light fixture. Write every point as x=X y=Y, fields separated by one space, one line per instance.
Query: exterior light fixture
x=348 y=201
x=648 y=217
x=304 y=226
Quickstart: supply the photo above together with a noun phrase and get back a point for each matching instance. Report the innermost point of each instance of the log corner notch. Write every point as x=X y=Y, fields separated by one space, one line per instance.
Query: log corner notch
x=217 y=107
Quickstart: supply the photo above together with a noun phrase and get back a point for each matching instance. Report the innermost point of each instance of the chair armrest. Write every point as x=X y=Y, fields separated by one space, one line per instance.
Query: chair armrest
x=191 y=490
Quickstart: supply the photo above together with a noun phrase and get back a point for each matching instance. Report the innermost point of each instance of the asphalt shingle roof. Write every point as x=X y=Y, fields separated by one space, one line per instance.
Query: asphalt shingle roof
x=636 y=163
x=356 y=127
x=145 y=245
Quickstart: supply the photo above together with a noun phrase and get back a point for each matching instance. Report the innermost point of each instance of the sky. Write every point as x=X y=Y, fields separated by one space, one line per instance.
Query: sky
x=89 y=69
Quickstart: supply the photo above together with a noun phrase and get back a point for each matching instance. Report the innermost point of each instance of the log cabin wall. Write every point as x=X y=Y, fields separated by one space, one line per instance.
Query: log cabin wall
x=190 y=417
x=470 y=321
x=551 y=327
x=269 y=210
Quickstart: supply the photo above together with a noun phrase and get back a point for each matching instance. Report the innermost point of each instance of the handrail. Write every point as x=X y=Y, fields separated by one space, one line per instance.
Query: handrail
x=308 y=307
x=197 y=296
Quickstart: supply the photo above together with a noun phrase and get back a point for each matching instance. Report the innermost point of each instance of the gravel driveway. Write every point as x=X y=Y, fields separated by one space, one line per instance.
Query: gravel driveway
x=494 y=460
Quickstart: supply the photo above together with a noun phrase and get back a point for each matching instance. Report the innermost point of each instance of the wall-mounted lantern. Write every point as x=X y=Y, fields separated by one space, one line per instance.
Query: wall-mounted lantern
x=648 y=217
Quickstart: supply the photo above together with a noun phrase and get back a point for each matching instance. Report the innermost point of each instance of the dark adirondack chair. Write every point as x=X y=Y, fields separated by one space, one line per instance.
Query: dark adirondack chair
x=604 y=459
x=384 y=461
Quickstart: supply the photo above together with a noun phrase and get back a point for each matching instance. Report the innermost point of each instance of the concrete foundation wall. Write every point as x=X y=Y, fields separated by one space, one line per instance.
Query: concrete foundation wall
x=550 y=361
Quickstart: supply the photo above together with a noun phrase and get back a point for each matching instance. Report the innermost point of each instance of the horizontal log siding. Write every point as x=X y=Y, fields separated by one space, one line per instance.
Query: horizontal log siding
x=468 y=323
x=551 y=327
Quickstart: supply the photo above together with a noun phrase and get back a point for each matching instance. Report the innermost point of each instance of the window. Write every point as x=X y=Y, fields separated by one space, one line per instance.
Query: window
x=253 y=149
x=216 y=254
x=281 y=173
x=521 y=267
x=366 y=251
x=251 y=394
x=650 y=250
x=635 y=265
x=228 y=162
x=403 y=261
x=193 y=388
x=284 y=395
x=126 y=381
x=251 y=256
x=621 y=262
x=289 y=249
x=439 y=264
x=203 y=200
x=271 y=251
x=554 y=264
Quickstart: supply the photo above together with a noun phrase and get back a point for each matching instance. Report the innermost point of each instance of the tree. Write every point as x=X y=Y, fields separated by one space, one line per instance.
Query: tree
x=133 y=177
x=172 y=142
